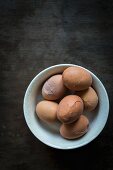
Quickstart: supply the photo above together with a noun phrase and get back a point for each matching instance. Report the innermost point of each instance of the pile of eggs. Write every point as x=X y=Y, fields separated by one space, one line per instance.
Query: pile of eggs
x=66 y=97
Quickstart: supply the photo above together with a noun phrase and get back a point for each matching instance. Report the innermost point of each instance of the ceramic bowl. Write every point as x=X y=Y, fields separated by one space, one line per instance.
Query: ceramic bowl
x=50 y=135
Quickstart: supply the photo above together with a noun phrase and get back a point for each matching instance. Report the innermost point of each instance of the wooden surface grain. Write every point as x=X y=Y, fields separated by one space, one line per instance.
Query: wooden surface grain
x=38 y=34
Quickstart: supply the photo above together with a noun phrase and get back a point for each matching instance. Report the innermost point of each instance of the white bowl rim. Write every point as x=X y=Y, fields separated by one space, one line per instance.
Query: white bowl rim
x=71 y=147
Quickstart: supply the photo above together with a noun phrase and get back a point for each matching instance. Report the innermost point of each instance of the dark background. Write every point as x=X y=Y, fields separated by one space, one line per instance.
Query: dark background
x=35 y=35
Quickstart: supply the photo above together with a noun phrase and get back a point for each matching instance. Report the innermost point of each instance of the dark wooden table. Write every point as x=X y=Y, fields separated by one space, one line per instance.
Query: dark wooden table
x=35 y=35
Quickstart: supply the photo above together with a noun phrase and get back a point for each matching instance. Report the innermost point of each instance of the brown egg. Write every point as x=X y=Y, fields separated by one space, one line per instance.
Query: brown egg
x=76 y=129
x=53 y=88
x=47 y=111
x=89 y=98
x=70 y=108
x=77 y=78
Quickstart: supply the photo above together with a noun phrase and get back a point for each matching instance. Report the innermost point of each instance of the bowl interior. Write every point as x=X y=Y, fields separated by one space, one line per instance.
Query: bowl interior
x=50 y=134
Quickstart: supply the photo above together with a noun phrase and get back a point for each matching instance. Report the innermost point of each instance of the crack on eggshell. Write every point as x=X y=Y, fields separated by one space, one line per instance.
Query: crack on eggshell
x=50 y=91
x=66 y=117
x=74 y=105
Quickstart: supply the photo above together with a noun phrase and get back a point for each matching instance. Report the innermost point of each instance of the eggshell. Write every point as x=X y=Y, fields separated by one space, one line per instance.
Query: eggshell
x=77 y=78
x=53 y=88
x=47 y=111
x=76 y=129
x=89 y=98
x=70 y=108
